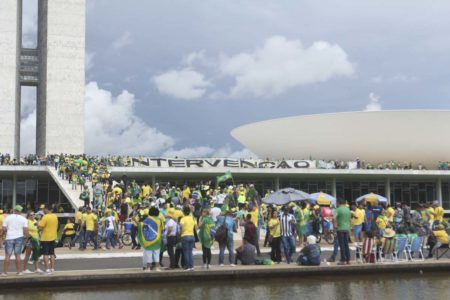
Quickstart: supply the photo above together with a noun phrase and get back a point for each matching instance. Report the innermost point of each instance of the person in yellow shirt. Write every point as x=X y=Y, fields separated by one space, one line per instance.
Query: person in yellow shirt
x=438 y=212
x=441 y=240
x=69 y=232
x=188 y=226
x=32 y=245
x=186 y=194
x=49 y=228
x=90 y=221
x=275 y=236
x=390 y=212
x=358 y=216
x=255 y=214
x=382 y=222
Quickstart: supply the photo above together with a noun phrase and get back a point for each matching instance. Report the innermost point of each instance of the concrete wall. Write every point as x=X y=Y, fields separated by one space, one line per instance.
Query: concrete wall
x=10 y=33
x=60 y=104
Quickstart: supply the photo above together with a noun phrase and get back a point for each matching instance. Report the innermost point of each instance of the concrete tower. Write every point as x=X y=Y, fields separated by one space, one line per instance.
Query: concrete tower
x=55 y=67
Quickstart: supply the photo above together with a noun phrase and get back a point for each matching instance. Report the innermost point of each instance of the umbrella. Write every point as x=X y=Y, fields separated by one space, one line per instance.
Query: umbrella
x=322 y=199
x=371 y=198
x=284 y=196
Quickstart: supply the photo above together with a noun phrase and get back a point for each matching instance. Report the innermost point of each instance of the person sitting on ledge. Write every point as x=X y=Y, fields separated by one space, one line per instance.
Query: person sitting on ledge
x=310 y=254
x=438 y=239
x=246 y=253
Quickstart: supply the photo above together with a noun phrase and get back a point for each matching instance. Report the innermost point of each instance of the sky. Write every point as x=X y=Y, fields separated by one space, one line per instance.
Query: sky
x=173 y=78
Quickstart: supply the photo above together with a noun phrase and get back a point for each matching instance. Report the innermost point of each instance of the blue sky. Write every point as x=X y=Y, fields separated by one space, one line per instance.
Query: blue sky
x=185 y=73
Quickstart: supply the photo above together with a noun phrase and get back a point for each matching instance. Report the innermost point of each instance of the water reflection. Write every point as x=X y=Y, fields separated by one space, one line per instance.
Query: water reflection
x=387 y=287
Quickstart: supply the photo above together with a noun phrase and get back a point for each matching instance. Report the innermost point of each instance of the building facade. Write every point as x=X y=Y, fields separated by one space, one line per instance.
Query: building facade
x=55 y=67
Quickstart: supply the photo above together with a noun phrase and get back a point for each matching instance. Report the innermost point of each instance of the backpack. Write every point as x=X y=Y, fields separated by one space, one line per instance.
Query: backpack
x=222 y=233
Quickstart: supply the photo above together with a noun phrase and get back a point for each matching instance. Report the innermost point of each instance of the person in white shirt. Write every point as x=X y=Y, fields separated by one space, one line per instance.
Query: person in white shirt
x=214 y=213
x=170 y=231
x=110 y=227
x=16 y=228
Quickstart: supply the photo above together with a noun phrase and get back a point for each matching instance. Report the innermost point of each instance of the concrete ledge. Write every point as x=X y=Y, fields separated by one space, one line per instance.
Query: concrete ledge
x=130 y=276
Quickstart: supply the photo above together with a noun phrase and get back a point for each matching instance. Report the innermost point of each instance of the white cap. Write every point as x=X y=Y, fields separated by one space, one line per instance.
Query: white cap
x=311 y=239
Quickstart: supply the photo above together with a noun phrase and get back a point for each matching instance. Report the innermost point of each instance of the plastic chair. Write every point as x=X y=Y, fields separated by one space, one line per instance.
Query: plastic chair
x=358 y=253
x=415 y=246
x=369 y=250
x=400 y=250
x=388 y=247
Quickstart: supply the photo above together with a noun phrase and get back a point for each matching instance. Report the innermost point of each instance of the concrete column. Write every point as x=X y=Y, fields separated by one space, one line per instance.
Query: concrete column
x=333 y=187
x=277 y=183
x=439 y=190
x=14 y=190
x=387 y=189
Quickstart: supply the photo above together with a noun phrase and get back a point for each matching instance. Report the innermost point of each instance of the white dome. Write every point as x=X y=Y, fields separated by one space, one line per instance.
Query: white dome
x=417 y=136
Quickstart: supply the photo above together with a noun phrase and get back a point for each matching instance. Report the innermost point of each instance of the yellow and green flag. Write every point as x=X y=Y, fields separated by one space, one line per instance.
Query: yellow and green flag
x=224 y=177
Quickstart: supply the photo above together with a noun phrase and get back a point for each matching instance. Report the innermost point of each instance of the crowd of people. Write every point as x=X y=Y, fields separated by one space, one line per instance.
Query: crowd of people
x=174 y=219
x=127 y=161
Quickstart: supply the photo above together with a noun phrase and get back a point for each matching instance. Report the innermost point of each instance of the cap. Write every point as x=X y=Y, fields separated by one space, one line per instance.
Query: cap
x=18 y=208
x=311 y=239
x=42 y=206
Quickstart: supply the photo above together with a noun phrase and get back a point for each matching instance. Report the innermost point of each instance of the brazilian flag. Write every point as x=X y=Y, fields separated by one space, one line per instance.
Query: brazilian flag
x=150 y=233
x=207 y=230
x=224 y=177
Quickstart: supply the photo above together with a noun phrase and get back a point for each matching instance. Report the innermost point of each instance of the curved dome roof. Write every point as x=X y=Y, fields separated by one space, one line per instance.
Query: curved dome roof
x=418 y=136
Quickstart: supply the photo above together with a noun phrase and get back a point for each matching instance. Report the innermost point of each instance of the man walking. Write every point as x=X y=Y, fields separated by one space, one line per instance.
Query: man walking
x=16 y=228
x=287 y=234
x=49 y=232
x=342 y=223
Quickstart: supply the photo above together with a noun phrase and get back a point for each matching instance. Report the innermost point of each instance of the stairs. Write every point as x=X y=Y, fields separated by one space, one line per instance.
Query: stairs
x=64 y=185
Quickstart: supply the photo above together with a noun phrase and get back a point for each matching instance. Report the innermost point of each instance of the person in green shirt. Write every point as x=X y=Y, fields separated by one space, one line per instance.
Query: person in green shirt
x=206 y=224
x=342 y=224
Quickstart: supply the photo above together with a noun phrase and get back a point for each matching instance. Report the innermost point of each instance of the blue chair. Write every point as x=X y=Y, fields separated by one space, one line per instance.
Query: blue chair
x=415 y=246
x=402 y=243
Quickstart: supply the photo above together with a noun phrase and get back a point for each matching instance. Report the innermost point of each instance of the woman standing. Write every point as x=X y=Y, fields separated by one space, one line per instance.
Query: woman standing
x=275 y=233
x=206 y=224
x=188 y=226
x=32 y=245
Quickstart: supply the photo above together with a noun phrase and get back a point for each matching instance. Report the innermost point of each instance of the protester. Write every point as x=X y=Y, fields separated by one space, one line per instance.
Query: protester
x=91 y=227
x=310 y=254
x=32 y=246
x=227 y=220
x=16 y=228
x=150 y=237
x=49 y=232
x=275 y=237
x=68 y=232
x=342 y=224
x=287 y=235
x=171 y=234
x=110 y=227
x=206 y=237
x=188 y=226
x=246 y=253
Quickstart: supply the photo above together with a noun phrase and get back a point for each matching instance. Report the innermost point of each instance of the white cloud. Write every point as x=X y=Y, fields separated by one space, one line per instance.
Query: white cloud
x=205 y=151
x=111 y=125
x=399 y=78
x=200 y=151
x=184 y=84
x=29 y=23
x=374 y=104
x=28 y=120
x=28 y=134
x=122 y=41
x=282 y=64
